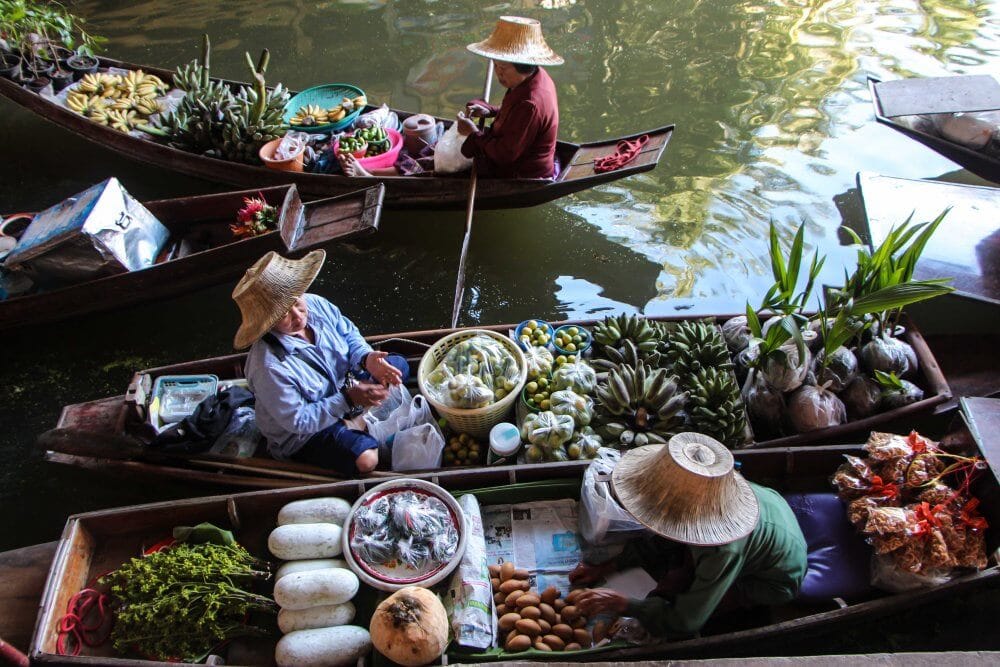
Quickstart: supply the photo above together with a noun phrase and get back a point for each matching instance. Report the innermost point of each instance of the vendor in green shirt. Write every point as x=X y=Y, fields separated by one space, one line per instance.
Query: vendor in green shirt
x=744 y=546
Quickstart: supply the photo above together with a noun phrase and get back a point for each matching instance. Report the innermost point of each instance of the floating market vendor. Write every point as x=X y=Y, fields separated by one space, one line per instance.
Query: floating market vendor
x=311 y=371
x=729 y=545
x=521 y=141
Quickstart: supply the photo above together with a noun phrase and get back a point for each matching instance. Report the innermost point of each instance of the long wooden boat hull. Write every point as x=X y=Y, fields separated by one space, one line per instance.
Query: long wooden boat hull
x=980 y=164
x=106 y=435
x=438 y=192
x=306 y=227
x=22 y=580
x=98 y=541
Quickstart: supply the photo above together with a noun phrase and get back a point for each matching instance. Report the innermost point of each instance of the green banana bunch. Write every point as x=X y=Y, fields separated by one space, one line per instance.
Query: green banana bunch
x=692 y=346
x=716 y=407
x=639 y=405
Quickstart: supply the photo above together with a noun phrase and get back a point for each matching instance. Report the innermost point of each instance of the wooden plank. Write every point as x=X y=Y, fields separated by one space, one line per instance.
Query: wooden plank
x=939 y=94
x=22 y=579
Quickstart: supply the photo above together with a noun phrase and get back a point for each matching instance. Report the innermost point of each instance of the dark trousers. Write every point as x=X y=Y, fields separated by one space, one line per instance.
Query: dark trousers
x=338 y=446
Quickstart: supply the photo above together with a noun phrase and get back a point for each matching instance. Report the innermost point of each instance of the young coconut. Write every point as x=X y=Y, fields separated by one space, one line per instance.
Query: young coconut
x=838 y=371
x=784 y=370
x=745 y=359
x=897 y=393
x=813 y=407
x=410 y=627
x=764 y=404
x=736 y=331
x=862 y=397
x=889 y=355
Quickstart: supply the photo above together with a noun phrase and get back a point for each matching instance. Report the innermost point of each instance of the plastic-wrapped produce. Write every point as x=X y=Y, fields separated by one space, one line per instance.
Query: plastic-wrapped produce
x=862 y=397
x=838 y=371
x=404 y=528
x=474 y=373
x=568 y=402
x=784 y=369
x=889 y=355
x=547 y=429
x=587 y=441
x=539 y=361
x=576 y=375
x=811 y=407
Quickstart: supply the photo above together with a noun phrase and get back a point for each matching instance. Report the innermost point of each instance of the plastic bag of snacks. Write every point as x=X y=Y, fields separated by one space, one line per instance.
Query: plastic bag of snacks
x=568 y=402
x=547 y=429
x=575 y=375
x=473 y=374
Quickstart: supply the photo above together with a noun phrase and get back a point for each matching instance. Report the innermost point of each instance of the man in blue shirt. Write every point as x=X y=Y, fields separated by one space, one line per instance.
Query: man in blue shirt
x=311 y=371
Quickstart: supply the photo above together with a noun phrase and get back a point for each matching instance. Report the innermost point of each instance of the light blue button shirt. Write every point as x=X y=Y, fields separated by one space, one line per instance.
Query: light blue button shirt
x=294 y=399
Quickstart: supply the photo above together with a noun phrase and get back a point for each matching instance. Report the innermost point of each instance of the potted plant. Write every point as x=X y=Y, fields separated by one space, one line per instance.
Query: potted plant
x=81 y=63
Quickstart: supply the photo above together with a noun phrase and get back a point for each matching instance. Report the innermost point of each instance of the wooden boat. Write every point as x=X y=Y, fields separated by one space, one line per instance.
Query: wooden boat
x=22 y=580
x=894 y=100
x=966 y=248
x=96 y=542
x=202 y=251
x=576 y=160
x=106 y=434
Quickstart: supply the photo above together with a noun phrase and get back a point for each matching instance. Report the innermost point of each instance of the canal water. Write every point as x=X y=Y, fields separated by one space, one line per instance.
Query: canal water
x=773 y=123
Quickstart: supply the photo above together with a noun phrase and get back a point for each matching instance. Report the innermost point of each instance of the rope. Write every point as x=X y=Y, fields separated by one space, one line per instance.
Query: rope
x=625 y=152
x=74 y=626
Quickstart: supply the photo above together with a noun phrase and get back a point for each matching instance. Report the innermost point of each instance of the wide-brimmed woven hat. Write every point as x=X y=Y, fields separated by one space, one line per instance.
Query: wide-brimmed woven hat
x=686 y=490
x=517 y=40
x=269 y=289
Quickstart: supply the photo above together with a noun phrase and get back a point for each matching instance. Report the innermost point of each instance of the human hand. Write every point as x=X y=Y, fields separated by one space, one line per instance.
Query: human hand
x=380 y=368
x=598 y=600
x=585 y=574
x=465 y=125
x=477 y=109
x=367 y=394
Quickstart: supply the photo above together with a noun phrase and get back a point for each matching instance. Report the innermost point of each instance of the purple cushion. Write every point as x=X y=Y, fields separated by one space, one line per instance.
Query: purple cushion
x=838 y=557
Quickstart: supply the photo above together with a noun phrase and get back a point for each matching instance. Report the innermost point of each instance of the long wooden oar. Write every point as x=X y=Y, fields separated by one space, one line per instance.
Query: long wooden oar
x=473 y=180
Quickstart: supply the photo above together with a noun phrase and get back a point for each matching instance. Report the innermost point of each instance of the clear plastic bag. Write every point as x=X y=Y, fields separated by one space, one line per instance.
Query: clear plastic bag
x=888 y=577
x=474 y=373
x=380 y=117
x=568 y=402
x=291 y=145
x=588 y=441
x=241 y=437
x=539 y=361
x=448 y=158
x=547 y=429
x=602 y=519
x=418 y=447
x=575 y=375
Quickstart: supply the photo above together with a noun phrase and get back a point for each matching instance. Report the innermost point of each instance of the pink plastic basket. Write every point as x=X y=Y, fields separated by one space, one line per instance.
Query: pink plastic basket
x=388 y=158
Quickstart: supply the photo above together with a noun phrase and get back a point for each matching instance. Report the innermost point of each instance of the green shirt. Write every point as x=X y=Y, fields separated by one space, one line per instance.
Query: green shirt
x=765 y=567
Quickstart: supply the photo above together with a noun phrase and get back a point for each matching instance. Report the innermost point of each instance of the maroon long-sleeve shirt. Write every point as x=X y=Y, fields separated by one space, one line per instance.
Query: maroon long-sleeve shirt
x=521 y=141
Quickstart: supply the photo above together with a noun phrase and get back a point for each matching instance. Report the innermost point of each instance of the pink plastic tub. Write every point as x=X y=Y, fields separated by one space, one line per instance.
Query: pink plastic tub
x=386 y=159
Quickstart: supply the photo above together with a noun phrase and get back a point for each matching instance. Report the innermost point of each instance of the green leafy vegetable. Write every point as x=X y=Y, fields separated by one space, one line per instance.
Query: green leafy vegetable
x=182 y=601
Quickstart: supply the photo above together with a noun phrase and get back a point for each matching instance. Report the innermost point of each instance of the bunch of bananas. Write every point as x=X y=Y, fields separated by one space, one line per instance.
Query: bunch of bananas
x=309 y=115
x=639 y=405
x=695 y=345
x=646 y=335
x=346 y=106
x=716 y=407
x=120 y=101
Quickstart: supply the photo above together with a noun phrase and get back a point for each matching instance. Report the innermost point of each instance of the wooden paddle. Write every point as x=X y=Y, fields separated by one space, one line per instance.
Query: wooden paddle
x=473 y=180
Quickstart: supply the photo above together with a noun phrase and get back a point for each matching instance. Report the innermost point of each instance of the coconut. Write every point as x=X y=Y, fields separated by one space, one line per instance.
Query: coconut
x=811 y=407
x=784 y=370
x=745 y=358
x=765 y=405
x=737 y=333
x=410 y=627
x=862 y=397
x=889 y=355
x=839 y=371
x=897 y=398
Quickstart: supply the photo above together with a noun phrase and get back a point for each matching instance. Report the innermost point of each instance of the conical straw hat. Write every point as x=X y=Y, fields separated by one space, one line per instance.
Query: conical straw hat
x=686 y=490
x=517 y=40
x=269 y=289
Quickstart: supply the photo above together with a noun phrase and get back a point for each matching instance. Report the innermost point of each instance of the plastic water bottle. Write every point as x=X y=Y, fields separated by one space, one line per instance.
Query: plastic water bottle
x=505 y=441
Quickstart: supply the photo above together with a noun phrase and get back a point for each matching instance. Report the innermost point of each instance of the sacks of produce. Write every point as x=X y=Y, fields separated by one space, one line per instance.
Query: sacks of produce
x=547 y=429
x=576 y=375
x=474 y=373
x=568 y=402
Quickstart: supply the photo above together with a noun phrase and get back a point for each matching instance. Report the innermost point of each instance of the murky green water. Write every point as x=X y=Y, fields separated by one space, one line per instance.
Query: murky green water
x=773 y=122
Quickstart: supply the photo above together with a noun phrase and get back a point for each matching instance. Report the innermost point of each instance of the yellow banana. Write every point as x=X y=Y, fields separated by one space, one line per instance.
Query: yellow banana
x=148 y=106
x=309 y=115
x=90 y=83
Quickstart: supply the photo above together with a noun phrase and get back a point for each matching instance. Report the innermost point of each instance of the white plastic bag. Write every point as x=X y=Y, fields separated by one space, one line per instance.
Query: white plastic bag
x=418 y=447
x=383 y=420
x=602 y=519
x=448 y=158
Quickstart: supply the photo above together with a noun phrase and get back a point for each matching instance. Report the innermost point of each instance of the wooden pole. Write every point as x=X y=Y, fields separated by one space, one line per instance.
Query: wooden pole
x=473 y=180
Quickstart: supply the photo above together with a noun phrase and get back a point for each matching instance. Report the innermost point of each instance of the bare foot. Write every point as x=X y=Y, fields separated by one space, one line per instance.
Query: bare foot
x=350 y=165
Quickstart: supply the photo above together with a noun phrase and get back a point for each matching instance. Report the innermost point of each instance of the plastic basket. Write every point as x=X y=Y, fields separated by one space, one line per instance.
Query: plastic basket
x=477 y=422
x=386 y=159
x=580 y=351
x=325 y=96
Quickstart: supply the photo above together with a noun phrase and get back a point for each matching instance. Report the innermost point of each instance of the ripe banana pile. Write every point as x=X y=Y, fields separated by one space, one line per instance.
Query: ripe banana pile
x=120 y=101
x=313 y=114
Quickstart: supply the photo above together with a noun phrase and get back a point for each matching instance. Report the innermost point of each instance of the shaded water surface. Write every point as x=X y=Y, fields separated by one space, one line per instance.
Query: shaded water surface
x=773 y=122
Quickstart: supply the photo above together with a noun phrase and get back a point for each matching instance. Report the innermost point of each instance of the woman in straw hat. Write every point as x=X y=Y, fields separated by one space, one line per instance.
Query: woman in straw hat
x=521 y=141
x=302 y=356
x=744 y=545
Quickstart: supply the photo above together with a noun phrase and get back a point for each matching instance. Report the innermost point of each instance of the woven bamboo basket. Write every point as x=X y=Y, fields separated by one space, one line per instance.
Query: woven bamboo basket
x=477 y=422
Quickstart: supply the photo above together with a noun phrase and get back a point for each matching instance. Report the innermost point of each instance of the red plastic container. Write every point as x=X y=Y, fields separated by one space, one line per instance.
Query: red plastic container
x=388 y=158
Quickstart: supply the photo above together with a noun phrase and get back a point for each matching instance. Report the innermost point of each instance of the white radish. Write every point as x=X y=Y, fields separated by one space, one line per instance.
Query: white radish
x=310 y=564
x=301 y=590
x=315 y=510
x=323 y=647
x=298 y=541
x=324 y=616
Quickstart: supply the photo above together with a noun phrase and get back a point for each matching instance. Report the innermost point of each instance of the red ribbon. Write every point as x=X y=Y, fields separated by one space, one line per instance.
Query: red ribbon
x=970 y=517
x=890 y=490
x=73 y=624
x=625 y=152
x=917 y=443
x=926 y=519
